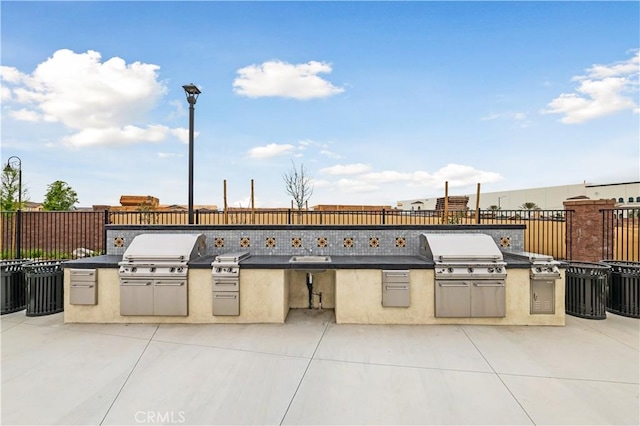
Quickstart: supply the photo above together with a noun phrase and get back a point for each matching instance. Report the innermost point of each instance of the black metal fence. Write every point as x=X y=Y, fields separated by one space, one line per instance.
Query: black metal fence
x=620 y=229
x=72 y=234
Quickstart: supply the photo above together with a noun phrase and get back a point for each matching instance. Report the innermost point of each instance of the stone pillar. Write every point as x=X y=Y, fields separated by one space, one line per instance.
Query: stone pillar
x=588 y=235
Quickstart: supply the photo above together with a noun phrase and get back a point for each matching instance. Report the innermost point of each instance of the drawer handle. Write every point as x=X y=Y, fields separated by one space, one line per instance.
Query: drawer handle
x=133 y=284
x=169 y=284
x=82 y=285
x=225 y=283
x=453 y=285
x=225 y=296
x=397 y=287
x=488 y=285
x=82 y=273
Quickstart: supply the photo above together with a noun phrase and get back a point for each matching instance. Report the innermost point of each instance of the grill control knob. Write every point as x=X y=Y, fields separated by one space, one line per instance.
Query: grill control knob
x=498 y=269
x=134 y=269
x=490 y=270
x=172 y=269
x=229 y=270
x=152 y=269
x=450 y=270
x=470 y=270
x=180 y=269
x=538 y=269
x=218 y=269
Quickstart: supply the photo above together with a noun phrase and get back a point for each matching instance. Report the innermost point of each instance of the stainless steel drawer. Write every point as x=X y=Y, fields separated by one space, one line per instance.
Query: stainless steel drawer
x=391 y=276
x=226 y=303
x=226 y=285
x=170 y=298
x=83 y=287
x=453 y=299
x=136 y=297
x=488 y=299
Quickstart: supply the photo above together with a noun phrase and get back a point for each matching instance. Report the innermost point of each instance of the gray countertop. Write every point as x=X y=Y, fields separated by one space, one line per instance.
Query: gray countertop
x=282 y=262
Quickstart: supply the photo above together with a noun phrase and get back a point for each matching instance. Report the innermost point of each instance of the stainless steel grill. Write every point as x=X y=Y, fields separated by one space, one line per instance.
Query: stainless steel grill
x=153 y=273
x=225 y=274
x=470 y=274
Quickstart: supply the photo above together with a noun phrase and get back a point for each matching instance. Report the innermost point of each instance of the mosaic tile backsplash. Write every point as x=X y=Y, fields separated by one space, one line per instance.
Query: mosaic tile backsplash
x=325 y=241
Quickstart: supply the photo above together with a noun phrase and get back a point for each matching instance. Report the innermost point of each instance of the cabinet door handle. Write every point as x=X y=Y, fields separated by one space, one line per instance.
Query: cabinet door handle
x=169 y=283
x=135 y=283
x=488 y=285
x=397 y=287
x=454 y=285
x=225 y=296
x=82 y=285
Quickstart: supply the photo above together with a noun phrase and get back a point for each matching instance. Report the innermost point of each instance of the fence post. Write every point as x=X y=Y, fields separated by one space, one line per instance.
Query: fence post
x=197 y=221
x=105 y=222
x=19 y=234
x=384 y=219
x=288 y=216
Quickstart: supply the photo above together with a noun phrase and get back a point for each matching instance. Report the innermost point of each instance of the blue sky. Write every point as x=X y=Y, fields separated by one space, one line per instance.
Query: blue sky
x=380 y=101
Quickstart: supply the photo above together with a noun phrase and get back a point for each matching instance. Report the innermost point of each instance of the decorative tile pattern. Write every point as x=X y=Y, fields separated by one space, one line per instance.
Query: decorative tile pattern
x=401 y=242
x=374 y=242
x=505 y=241
x=348 y=242
x=118 y=242
x=270 y=242
x=245 y=242
x=296 y=242
x=322 y=242
x=218 y=242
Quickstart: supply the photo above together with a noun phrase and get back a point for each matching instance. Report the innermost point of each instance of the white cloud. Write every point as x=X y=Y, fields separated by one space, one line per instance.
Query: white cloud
x=604 y=90
x=277 y=78
x=271 y=150
x=99 y=101
x=346 y=169
x=330 y=154
x=5 y=94
x=26 y=115
x=457 y=175
x=168 y=155
x=520 y=118
x=117 y=136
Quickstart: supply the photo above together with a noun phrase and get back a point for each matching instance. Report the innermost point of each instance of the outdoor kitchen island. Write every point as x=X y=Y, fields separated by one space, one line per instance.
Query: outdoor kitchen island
x=361 y=288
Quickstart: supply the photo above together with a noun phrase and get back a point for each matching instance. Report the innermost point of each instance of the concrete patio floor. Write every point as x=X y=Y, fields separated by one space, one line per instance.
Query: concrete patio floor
x=313 y=371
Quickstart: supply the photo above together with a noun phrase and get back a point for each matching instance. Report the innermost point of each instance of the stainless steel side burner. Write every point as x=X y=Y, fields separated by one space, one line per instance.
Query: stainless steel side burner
x=225 y=274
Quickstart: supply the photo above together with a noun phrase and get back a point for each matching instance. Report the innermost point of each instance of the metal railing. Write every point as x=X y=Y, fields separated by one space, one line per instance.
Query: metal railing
x=72 y=234
x=620 y=234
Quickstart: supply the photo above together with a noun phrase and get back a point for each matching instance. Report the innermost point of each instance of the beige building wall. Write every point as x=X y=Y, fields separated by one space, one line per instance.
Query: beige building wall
x=547 y=198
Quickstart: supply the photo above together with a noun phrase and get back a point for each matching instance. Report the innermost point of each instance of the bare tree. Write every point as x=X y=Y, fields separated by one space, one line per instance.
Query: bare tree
x=298 y=184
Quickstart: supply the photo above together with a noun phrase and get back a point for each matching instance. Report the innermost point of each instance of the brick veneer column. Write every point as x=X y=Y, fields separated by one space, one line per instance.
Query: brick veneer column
x=585 y=228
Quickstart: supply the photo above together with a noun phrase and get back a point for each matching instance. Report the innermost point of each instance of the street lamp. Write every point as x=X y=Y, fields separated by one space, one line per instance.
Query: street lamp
x=500 y=198
x=10 y=168
x=192 y=93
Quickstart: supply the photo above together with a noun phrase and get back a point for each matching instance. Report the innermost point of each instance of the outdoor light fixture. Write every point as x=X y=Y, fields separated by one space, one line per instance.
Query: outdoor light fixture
x=9 y=168
x=192 y=93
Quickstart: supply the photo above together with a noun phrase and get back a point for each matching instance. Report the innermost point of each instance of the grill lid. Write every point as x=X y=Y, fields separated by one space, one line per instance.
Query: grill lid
x=460 y=247
x=234 y=257
x=165 y=248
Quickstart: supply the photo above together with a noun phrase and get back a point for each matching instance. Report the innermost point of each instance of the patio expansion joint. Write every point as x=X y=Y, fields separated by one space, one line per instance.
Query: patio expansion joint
x=129 y=375
x=575 y=379
x=415 y=367
x=499 y=377
x=284 y=416
x=226 y=348
x=588 y=324
x=63 y=328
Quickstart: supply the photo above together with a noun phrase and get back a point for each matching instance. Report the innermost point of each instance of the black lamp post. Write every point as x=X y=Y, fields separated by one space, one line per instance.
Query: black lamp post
x=192 y=93
x=12 y=163
x=8 y=168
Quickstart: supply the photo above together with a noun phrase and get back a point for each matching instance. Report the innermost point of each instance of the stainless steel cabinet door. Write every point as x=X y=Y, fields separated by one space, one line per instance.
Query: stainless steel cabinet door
x=395 y=289
x=83 y=287
x=488 y=299
x=170 y=298
x=453 y=299
x=136 y=297
x=543 y=297
x=226 y=303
